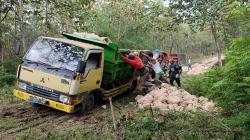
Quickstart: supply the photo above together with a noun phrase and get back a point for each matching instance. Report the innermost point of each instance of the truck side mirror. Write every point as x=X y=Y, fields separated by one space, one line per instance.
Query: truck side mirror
x=81 y=67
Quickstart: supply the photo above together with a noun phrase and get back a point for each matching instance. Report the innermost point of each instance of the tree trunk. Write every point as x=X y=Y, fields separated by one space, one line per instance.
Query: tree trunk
x=2 y=55
x=15 y=22
x=46 y=18
x=213 y=28
x=21 y=25
x=225 y=36
x=172 y=44
x=119 y=30
x=1 y=44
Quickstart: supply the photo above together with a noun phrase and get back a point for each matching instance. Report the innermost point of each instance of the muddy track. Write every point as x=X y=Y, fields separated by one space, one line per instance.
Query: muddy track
x=45 y=120
x=41 y=117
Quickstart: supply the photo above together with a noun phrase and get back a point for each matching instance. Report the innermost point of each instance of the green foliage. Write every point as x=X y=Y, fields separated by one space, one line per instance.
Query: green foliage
x=238 y=20
x=198 y=13
x=131 y=24
x=229 y=86
x=6 y=94
x=6 y=78
x=8 y=72
x=204 y=85
x=10 y=65
x=143 y=128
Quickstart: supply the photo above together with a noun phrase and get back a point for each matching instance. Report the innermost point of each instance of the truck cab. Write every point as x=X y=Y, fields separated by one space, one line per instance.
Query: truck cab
x=59 y=72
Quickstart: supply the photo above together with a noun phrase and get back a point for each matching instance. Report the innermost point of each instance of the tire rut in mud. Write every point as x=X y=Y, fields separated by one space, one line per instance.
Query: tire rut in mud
x=28 y=117
x=40 y=117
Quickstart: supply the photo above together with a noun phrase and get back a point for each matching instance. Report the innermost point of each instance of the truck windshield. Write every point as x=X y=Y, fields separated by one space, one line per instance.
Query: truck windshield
x=55 y=53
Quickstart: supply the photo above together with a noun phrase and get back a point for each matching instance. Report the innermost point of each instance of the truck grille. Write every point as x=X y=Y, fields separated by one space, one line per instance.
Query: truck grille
x=42 y=92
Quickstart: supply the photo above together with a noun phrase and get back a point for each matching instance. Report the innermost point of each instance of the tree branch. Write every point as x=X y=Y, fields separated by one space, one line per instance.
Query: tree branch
x=5 y=15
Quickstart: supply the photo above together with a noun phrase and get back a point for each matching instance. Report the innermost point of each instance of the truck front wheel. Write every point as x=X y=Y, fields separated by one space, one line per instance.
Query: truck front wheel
x=88 y=104
x=133 y=86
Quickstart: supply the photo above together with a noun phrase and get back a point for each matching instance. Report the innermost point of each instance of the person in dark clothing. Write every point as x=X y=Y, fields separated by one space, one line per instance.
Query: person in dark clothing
x=174 y=73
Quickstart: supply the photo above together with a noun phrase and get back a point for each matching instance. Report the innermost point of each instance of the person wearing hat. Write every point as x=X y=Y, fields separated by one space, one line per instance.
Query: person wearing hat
x=140 y=71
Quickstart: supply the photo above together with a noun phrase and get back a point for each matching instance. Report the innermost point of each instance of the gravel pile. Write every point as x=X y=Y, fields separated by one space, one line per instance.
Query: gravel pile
x=170 y=98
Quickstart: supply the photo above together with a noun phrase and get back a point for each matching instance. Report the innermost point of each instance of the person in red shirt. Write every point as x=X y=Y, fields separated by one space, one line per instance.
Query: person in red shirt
x=140 y=70
x=134 y=60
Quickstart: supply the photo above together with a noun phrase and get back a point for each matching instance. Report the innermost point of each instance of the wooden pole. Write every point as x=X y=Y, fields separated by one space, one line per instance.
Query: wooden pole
x=113 y=115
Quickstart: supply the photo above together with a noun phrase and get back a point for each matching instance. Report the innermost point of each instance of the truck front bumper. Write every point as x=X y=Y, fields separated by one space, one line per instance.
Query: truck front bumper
x=50 y=103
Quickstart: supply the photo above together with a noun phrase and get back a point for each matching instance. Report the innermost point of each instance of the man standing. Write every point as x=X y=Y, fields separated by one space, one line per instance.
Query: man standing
x=140 y=71
x=189 y=64
x=159 y=74
x=174 y=73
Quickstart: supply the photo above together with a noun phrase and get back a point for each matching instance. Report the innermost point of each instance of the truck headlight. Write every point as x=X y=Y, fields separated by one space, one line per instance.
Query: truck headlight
x=22 y=86
x=64 y=99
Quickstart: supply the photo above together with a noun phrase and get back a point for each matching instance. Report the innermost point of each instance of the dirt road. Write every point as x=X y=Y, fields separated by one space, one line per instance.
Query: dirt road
x=20 y=120
x=200 y=68
x=23 y=117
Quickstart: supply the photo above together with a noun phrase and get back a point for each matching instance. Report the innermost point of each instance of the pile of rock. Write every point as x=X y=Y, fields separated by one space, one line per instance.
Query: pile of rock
x=170 y=98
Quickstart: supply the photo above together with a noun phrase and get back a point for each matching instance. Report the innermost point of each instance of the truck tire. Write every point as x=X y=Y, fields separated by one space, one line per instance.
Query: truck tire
x=35 y=105
x=133 y=86
x=99 y=94
x=88 y=104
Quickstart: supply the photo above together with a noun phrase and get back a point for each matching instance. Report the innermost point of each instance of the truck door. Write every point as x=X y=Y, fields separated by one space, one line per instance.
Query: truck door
x=92 y=77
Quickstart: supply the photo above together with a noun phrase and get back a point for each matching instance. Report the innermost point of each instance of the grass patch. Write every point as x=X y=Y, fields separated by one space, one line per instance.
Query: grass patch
x=75 y=133
x=6 y=95
x=181 y=125
x=8 y=122
x=177 y=125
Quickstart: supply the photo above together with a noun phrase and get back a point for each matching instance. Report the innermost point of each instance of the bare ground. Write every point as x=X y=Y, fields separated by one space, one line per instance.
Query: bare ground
x=44 y=119
x=203 y=66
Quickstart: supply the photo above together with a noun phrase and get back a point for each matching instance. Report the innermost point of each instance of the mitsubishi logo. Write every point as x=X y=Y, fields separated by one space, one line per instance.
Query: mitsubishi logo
x=42 y=80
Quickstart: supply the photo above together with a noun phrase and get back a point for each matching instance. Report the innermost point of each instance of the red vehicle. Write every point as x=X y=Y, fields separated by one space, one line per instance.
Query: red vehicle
x=166 y=56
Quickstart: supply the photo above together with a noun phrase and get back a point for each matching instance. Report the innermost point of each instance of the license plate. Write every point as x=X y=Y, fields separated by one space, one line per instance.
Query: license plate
x=36 y=100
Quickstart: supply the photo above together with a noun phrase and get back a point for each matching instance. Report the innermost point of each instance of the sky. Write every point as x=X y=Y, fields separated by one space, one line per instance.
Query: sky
x=166 y=2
